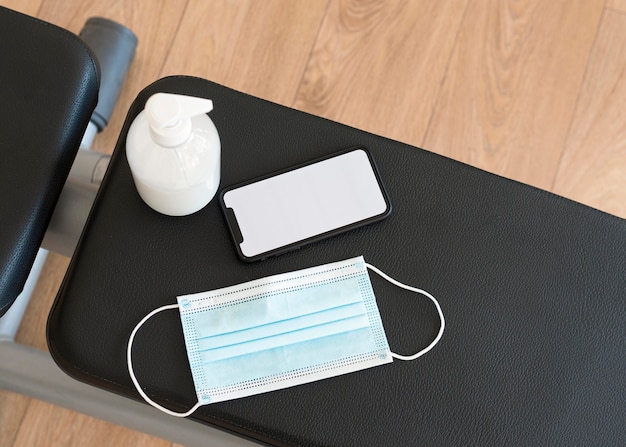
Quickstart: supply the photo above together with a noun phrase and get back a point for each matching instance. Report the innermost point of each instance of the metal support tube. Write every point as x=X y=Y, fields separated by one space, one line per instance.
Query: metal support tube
x=10 y=321
x=72 y=209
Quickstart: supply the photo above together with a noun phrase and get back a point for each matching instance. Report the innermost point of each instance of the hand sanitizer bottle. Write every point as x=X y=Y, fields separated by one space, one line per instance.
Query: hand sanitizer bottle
x=173 y=150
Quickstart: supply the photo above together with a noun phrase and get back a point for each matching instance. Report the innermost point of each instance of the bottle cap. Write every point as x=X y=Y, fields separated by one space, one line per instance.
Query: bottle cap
x=169 y=117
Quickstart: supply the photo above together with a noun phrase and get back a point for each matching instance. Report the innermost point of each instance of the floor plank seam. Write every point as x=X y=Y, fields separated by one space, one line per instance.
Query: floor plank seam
x=308 y=59
x=443 y=78
x=577 y=102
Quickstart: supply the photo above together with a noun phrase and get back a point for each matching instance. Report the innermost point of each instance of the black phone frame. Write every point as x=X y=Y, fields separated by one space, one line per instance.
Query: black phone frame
x=233 y=226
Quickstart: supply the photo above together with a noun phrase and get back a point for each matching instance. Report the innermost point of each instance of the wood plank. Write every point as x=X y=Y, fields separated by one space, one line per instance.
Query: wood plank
x=617 y=5
x=259 y=48
x=593 y=167
x=60 y=427
x=12 y=410
x=378 y=66
x=28 y=7
x=512 y=85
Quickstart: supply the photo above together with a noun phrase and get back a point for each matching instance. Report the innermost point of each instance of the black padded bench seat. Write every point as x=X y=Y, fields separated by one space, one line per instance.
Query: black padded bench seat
x=48 y=90
x=532 y=285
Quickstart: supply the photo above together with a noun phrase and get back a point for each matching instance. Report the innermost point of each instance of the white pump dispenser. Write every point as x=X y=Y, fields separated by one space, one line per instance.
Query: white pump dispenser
x=173 y=150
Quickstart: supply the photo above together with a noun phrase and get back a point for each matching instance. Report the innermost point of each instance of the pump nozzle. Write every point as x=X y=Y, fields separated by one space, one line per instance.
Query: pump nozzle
x=169 y=116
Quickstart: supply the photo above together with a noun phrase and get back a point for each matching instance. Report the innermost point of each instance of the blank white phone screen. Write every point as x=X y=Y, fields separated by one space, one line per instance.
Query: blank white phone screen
x=305 y=202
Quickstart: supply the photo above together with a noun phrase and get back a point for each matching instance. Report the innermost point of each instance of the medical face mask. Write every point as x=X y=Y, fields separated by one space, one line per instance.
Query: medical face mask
x=281 y=331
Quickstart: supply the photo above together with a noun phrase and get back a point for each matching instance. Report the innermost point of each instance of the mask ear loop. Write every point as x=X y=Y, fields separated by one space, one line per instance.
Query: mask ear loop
x=426 y=294
x=132 y=372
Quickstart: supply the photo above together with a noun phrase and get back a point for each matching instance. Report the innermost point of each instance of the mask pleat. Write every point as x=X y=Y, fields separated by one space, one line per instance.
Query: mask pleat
x=296 y=330
x=292 y=360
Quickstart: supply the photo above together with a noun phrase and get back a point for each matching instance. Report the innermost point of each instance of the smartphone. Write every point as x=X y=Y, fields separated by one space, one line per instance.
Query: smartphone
x=285 y=210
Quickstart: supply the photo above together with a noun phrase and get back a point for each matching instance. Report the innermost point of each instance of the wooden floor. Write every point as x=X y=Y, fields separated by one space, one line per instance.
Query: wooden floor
x=533 y=90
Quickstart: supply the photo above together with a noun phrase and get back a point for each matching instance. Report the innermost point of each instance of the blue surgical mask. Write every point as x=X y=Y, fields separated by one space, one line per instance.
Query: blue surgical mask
x=281 y=331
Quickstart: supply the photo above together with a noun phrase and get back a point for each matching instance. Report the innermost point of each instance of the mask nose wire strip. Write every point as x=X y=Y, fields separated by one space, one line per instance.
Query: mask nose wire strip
x=132 y=372
x=426 y=294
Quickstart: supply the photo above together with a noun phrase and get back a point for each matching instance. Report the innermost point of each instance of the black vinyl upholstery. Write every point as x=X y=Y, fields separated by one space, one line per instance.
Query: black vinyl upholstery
x=532 y=285
x=48 y=90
